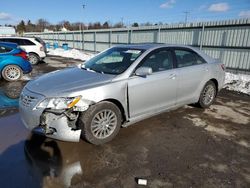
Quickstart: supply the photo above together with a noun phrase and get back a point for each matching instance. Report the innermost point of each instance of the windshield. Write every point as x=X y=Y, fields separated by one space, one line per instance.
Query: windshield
x=113 y=61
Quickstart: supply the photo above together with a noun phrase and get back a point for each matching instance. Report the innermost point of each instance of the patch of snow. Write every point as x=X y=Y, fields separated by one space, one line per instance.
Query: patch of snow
x=237 y=82
x=26 y=78
x=71 y=53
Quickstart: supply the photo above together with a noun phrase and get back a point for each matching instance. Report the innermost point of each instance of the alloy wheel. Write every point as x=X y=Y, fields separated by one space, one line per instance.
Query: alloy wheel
x=103 y=124
x=208 y=94
x=12 y=73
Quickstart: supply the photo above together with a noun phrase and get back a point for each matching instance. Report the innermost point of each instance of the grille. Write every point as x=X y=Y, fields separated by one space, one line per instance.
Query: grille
x=28 y=100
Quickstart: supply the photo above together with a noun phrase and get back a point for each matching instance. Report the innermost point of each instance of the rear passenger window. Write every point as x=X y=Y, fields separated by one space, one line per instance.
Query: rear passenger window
x=4 y=49
x=27 y=42
x=24 y=42
x=14 y=41
x=20 y=42
x=187 y=58
x=11 y=40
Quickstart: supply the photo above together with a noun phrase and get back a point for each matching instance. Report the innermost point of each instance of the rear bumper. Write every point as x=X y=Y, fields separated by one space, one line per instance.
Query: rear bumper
x=42 y=55
x=221 y=80
x=27 y=68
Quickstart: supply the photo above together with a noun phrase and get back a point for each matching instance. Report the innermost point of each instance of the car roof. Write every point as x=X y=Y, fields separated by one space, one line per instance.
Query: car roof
x=147 y=46
x=16 y=37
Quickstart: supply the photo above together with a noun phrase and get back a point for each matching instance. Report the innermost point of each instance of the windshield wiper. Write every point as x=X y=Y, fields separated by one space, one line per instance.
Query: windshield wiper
x=92 y=70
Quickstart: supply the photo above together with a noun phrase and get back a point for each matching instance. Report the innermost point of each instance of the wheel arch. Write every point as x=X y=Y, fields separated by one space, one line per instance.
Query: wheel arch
x=120 y=106
x=216 y=84
x=34 y=54
x=7 y=64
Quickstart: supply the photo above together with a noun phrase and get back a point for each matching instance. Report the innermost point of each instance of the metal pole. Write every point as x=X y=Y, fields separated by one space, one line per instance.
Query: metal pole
x=128 y=35
x=58 y=37
x=73 y=36
x=95 y=41
x=83 y=7
x=202 y=34
x=110 y=38
x=186 y=16
x=131 y=34
x=159 y=34
x=82 y=40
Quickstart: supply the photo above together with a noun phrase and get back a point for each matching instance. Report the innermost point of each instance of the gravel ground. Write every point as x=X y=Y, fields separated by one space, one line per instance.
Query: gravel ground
x=188 y=147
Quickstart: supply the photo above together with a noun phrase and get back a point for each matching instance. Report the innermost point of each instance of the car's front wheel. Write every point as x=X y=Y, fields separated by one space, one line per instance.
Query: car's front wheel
x=207 y=95
x=12 y=73
x=100 y=123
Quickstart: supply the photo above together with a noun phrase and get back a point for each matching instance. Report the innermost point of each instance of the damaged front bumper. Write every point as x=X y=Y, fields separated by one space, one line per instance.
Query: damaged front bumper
x=58 y=126
x=50 y=124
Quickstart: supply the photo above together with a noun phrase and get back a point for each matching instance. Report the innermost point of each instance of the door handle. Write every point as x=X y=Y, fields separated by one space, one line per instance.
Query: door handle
x=172 y=76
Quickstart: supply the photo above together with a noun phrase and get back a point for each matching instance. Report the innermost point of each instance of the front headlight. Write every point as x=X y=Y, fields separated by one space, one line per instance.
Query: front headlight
x=59 y=103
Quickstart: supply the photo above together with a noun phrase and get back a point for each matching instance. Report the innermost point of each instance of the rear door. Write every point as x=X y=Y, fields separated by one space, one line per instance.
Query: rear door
x=155 y=92
x=26 y=44
x=192 y=73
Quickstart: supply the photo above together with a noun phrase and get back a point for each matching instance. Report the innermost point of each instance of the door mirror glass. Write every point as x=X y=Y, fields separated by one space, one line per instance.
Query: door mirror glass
x=143 y=71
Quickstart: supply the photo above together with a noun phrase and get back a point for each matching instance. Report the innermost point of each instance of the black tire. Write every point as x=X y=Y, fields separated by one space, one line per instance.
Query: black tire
x=209 y=91
x=89 y=118
x=12 y=73
x=33 y=58
x=13 y=89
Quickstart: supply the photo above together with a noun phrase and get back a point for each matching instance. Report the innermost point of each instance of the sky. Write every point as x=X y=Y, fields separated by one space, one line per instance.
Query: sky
x=126 y=11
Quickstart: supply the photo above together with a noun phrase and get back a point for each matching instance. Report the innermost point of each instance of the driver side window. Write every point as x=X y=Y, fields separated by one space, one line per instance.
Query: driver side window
x=159 y=60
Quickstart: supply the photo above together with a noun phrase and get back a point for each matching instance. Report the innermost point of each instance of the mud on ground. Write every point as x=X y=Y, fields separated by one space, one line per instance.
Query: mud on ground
x=188 y=147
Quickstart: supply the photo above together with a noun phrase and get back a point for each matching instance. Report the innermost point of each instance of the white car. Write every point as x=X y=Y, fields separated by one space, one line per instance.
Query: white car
x=35 y=47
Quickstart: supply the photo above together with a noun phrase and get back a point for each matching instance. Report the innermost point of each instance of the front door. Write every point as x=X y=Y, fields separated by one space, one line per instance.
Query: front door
x=155 y=92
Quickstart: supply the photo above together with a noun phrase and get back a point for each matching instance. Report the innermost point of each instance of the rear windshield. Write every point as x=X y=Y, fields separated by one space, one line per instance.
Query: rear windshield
x=39 y=40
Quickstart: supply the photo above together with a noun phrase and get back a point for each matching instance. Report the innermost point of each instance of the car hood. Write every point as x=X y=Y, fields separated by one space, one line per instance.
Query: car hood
x=60 y=83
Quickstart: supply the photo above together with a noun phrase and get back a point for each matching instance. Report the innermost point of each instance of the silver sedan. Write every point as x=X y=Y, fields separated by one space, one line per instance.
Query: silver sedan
x=118 y=87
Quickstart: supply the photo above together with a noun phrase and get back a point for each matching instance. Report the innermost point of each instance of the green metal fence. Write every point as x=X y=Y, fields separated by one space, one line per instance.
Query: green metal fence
x=227 y=40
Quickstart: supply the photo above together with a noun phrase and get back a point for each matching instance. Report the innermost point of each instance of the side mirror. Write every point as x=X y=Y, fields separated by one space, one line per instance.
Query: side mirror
x=143 y=71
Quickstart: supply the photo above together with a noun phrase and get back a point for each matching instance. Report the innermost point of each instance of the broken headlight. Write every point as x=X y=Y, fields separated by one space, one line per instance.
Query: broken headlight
x=59 y=103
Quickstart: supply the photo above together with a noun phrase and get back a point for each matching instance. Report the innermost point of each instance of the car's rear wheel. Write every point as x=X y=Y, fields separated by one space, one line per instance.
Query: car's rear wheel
x=100 y=123
x=12 y=73
x=33 y=58
x=207 y=95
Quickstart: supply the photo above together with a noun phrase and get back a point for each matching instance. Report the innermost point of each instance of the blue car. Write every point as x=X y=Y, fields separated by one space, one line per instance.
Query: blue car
x=13 y=62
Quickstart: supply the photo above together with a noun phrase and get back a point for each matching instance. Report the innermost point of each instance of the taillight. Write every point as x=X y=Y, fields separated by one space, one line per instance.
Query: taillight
x=223 y=67
x=42 y=48
x=22 y=54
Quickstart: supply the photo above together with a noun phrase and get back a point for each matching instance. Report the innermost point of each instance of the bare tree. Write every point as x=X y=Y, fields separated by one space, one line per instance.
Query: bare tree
x=42 y=24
